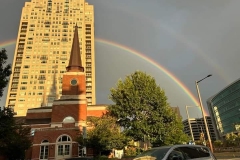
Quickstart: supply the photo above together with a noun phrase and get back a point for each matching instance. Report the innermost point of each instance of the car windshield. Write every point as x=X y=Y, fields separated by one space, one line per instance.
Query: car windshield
x=158 y=153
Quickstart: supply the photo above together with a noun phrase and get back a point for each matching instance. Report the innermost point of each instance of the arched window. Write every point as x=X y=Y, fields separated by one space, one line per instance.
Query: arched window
x=64 y=144
x=68 y=119
x=44 y=149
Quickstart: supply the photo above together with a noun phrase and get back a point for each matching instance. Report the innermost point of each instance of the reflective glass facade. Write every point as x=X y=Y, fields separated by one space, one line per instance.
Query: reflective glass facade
x=224 y=108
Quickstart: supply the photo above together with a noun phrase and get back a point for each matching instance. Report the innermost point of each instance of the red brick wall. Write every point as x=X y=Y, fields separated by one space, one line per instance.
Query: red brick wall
x=39 y=115
x=96 y=113
x=68 y=89
x=77 y=111
x=52 y=136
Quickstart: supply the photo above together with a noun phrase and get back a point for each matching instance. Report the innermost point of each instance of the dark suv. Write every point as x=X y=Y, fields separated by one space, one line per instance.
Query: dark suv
x=178 y=152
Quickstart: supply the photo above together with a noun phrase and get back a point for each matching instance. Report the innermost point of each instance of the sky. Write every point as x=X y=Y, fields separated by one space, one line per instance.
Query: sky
x=176 y=42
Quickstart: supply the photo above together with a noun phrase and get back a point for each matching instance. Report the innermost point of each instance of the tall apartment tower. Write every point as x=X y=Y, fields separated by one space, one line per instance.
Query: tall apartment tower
x=42 y=52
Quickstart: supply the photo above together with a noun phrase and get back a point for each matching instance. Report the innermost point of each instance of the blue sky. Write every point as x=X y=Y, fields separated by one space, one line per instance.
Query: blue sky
x=190 y=38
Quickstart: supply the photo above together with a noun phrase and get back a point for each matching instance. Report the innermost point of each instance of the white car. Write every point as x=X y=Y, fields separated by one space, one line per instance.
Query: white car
x=177 y=152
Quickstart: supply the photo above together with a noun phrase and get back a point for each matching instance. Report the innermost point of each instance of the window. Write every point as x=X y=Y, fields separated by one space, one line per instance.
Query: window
x=176 y=154
x=23 y=88
x=68 y=119
x=44 y=150
x=190 y=152
x=64 y=146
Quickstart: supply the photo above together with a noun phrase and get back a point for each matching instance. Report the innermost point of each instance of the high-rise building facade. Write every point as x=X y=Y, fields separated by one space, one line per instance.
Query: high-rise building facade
x=42 y=52
x=224 y=109
x=195 y=128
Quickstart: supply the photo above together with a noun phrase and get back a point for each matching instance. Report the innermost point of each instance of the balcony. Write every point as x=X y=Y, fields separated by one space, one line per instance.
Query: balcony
x=43 y=58
x=88 y=60
x=11 y=103
x=45 y=39
x=14 y=86
x=47 y=22
x=19 y=55
x=64 y=40
x=65 y=23
x=24 y=24
x=18 y=64
x=63 y=58
x=22 y=39
x=13 y=95
x=20 y=46
x=16 y=75
x=41 y=78
x=15 y=80
x=13 y=90
x=88 y=88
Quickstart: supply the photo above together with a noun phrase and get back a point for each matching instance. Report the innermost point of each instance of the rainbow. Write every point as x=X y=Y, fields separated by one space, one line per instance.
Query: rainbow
x=140 y=55
x=154 y=63
x=7 y=43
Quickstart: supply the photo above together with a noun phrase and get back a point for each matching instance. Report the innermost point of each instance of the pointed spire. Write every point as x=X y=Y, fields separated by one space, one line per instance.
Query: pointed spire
x=75 y=62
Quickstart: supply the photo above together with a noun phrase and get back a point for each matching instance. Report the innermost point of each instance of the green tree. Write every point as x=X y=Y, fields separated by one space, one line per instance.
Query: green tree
x=218 y=143
x=104 y=134
x=238 y=139
x=14 y=139
x=142 y=109
x=231 y=139
x=5 y=71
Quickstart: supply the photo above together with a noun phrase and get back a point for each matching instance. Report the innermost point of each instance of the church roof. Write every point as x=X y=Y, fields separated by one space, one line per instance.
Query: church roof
x=75 y=62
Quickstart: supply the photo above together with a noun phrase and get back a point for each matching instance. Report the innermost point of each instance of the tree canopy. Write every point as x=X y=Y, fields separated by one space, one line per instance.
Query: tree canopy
x=14 y=138
x=141 y=107
x=5 y=71
x=104 y=134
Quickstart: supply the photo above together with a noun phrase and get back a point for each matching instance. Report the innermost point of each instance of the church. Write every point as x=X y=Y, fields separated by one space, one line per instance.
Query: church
x=54 y=129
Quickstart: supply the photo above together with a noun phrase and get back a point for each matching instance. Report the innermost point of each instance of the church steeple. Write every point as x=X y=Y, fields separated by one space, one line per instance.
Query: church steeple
x=75 y=62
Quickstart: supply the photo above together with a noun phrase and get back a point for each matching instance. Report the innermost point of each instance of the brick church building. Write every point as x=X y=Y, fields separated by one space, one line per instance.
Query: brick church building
x=54 y=129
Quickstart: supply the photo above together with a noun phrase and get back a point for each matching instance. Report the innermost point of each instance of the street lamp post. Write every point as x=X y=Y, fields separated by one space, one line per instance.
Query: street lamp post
x=201 y=106
x=190 y=125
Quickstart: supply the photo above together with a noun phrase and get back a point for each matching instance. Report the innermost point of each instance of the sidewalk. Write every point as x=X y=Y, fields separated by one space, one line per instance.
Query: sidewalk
x=228 y=155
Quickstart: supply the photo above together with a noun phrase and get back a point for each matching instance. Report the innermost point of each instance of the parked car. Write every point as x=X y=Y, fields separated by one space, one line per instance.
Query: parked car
x=178 y=152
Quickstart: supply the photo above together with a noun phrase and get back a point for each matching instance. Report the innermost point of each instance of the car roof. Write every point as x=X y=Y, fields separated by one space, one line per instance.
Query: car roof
x=178 y=145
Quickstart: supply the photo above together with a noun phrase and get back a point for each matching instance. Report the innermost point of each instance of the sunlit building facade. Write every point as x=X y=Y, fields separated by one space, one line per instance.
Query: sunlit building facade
x=42 y=52
x=224 y=108
x=195 y=128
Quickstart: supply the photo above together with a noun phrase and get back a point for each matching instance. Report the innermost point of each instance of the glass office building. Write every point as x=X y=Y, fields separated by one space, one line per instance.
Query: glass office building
x=224 y=109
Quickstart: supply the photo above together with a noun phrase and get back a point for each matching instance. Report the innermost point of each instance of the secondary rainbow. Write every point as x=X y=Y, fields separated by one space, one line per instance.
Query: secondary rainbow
x=138 y=54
